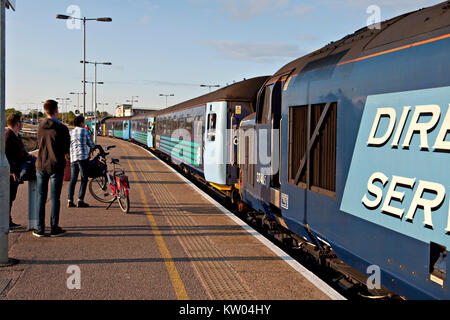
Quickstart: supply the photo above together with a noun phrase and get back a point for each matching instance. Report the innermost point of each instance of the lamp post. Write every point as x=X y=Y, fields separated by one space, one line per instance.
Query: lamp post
x=95 y=98
x=65 y=105
x=84 y=19
x=78 y=98
x=210 y=86
x=103 y=104
x=166 y=95
x=133 y=101
x=94 y=105
x=4 y=165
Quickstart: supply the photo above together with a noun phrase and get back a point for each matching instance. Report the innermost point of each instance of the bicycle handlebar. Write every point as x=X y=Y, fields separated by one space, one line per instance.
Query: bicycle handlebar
x=101 y=151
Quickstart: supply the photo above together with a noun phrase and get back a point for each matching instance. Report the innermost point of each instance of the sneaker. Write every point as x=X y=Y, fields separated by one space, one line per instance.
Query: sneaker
x=58 y=233
x=13 y=226
x=71 y=204
x=82 y=204
x=38 y=234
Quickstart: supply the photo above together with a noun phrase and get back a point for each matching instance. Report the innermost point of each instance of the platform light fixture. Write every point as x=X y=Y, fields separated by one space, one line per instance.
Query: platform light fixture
x=166 y=95
x=84 y=19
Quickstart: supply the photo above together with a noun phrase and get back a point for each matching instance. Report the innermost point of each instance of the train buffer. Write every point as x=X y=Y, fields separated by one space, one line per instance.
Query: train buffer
x=175 y=243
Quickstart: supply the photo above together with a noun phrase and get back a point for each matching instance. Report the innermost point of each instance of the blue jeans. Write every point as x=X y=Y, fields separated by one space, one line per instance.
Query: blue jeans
x=56 y=183
x=78 y=167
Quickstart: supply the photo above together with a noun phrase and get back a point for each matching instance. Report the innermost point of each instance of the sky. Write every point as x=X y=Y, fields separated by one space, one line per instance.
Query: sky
x=169 y=46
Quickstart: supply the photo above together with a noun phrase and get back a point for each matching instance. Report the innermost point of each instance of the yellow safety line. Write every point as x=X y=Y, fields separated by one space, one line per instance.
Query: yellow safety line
x=175 y=277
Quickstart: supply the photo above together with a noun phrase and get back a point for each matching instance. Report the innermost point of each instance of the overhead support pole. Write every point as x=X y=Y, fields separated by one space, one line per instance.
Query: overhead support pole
x=4 y=165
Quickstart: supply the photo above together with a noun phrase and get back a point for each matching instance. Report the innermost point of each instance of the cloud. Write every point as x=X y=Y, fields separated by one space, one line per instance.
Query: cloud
x=400 y=5
x=299 y=10
x=307 y=37
x=248 y=9
x=255 y=52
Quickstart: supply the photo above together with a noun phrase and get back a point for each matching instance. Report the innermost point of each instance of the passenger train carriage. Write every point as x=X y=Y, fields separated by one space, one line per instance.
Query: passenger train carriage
x=142 y=129
x=118 y=127
x=358 y=143
x=199 y=133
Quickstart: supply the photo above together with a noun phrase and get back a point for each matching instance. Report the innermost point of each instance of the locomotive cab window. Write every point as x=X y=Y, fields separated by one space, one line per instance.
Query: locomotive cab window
x=312 y=147
x=264 y=106
x=212 y=118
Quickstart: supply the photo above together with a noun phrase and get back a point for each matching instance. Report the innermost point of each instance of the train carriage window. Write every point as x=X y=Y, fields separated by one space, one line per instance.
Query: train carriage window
x=198 y=128
x=211 y=135
x=165 y=126
x=189 y=123
x=161 y=126
x=181 y=124
x=312 y=161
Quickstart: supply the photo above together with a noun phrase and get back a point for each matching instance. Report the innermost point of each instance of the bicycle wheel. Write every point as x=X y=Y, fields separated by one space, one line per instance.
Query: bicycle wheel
x=100 y=189
x=124 y=203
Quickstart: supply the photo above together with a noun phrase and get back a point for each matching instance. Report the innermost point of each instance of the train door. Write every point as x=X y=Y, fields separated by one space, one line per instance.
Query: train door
x=126 y=130
x=236 y=112
x=268 y=139
x=134 y=128
x=150 y=121
x=215 y=154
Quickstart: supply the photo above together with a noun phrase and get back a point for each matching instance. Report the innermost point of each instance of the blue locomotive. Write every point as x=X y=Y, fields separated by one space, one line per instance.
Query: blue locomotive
x=357 y=135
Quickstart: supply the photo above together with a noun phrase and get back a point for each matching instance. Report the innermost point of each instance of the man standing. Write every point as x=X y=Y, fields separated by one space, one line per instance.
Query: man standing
x=16 y=155
x=54 y=143
x=80 y=146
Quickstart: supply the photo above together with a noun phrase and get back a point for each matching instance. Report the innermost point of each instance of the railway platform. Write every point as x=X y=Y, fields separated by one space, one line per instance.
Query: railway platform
x=175 y=243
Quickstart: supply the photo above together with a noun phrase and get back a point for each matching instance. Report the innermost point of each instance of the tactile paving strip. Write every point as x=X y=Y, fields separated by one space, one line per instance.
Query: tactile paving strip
x=218 y=277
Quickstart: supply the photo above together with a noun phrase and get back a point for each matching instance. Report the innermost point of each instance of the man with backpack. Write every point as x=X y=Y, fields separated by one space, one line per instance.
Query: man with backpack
x=54 y=143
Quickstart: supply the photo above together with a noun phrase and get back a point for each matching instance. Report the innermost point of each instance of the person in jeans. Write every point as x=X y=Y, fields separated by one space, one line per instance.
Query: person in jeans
x=54 y=143
x=16 y=155
x=80 y=147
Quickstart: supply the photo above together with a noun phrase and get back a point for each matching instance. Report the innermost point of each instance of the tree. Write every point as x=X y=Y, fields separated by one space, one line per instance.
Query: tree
x=12 y=111
x=70 y=118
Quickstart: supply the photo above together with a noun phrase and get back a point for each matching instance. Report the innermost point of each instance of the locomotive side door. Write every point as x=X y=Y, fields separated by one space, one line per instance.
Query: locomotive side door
x=268 y=120
x=150 y=121
x=215 y=153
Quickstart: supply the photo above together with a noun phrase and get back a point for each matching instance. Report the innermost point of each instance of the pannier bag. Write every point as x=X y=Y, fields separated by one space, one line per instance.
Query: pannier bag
x=96 y=168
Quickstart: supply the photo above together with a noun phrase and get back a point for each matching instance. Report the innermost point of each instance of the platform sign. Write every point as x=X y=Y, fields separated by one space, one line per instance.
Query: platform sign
x=399 y=176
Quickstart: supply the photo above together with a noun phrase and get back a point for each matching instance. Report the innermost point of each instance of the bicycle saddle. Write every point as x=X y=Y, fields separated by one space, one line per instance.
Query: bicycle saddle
x=114 y=161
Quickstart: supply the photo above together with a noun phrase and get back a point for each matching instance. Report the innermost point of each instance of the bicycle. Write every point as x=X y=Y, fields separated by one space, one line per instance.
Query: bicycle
x=108 y=187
